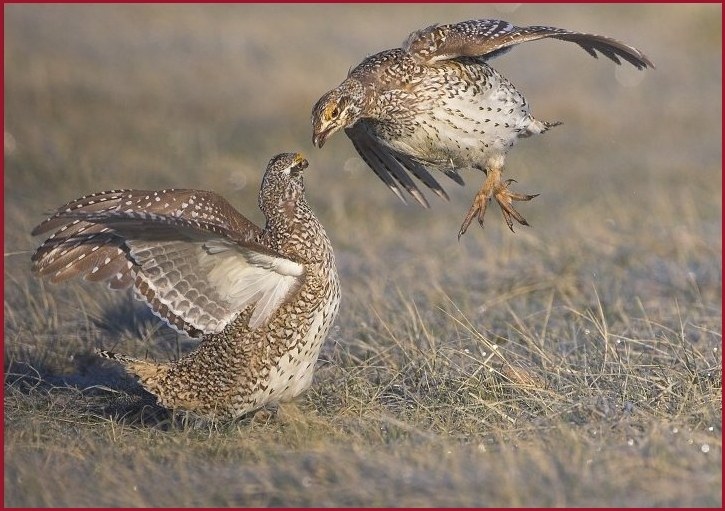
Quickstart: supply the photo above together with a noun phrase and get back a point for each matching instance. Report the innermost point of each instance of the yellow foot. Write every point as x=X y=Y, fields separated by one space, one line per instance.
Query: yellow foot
x=493 y=187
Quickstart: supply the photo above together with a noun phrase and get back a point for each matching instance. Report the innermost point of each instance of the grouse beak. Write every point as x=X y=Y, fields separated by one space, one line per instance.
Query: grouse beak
x=318 y=139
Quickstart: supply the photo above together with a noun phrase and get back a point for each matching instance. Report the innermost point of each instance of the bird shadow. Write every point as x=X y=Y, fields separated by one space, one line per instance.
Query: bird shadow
x=103 y=390
x=74 y=380
x=97 y=389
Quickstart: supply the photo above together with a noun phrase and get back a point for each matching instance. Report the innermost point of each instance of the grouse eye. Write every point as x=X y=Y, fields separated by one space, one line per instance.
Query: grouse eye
x=335 y=112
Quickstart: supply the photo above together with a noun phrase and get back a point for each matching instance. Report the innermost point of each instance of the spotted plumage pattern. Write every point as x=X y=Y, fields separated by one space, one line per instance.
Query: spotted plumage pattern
x=435 y=104
x=262 y=300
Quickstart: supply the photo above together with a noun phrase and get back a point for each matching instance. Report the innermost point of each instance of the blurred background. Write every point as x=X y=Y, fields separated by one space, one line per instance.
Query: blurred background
x=109 y=96
x=628 y=221
x=145 y=95
x=157 y=96
x=201 y=96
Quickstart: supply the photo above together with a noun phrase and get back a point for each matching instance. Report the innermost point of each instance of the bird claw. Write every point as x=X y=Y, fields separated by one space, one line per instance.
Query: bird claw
x=505 y=199
x=477 y=209
x=494 y=188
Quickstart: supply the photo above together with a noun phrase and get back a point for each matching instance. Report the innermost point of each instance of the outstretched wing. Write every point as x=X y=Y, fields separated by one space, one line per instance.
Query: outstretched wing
x=393 y=168
x=490 y=38
x=195 y=273
x=182 y=203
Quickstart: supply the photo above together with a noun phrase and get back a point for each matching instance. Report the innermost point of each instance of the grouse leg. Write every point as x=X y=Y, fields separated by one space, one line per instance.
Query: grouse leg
x=494 y=187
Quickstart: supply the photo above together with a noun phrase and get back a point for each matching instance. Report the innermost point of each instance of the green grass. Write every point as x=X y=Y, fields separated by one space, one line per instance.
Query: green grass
x=575 y=363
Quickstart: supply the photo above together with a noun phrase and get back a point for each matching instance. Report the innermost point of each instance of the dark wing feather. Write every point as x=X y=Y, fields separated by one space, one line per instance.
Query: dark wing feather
x=421 y=172
x=490 y=38
x=394 y=168
x=368 y=151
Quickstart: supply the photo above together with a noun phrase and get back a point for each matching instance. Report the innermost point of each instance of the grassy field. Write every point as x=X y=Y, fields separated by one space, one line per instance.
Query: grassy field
x=574 y=363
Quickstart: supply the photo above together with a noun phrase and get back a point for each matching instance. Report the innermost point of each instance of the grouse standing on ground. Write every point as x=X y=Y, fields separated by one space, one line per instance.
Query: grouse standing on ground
x=262 y=300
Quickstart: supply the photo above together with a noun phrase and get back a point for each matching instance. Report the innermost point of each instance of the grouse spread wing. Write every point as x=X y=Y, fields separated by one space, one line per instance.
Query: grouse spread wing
x=181 y=203
x=490 y=38
x=195 y=274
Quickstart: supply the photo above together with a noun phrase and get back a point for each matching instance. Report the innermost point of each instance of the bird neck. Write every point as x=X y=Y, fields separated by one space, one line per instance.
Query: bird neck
x=294 y=231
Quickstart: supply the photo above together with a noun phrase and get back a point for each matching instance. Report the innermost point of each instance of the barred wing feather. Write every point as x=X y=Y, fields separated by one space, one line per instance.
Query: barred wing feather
x=195 y=275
